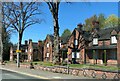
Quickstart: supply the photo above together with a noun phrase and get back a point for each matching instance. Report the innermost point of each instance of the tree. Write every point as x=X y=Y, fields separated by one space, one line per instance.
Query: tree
x=6 y=44
x=88 y=22
x=20 y=16
x=101 y=20
x=111 y=21
x=54 y=9
x=66 y=33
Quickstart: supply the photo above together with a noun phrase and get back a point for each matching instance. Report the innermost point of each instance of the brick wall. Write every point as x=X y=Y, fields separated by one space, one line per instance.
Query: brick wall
x=118 y=49
x=48 y=50
x=30 y=51
x=11 y=53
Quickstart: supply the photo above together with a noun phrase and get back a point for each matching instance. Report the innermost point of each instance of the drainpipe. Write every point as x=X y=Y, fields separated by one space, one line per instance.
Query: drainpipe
x=105 y=57
x=94 y=56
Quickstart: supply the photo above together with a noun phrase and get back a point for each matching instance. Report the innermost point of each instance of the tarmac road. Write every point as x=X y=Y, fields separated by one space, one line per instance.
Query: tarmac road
x=12 y=76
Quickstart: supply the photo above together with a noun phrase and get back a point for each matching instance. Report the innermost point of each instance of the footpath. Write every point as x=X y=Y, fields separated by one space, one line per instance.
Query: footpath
x=39 y=73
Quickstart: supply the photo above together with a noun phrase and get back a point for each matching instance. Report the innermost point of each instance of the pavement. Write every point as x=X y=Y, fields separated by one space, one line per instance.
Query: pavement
x=39 y=73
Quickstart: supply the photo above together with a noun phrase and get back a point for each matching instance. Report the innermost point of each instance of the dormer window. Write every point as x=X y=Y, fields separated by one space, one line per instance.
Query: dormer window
x=76 y=42
x=95 y=41
x=113 y=40
x=47 y=45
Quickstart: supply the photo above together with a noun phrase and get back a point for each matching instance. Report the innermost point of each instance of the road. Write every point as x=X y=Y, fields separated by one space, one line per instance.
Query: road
x=12 y=76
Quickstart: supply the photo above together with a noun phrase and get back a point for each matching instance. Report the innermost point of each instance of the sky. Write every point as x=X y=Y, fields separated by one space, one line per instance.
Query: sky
x=70 y=14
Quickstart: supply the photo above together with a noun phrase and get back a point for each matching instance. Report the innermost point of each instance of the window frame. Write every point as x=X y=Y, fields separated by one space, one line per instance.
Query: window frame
x=95 y=41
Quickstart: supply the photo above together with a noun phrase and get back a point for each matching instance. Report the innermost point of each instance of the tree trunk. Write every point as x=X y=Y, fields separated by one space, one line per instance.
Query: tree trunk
x=56 y=40
x=1 y=48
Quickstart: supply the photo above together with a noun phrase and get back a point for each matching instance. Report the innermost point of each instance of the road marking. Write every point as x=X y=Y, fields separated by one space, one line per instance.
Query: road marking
x=57 y=77
x=36 y=76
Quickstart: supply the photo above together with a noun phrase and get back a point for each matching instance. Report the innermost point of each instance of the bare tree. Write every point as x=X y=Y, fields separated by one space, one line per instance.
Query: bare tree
x=54 y=8
x=21 y=15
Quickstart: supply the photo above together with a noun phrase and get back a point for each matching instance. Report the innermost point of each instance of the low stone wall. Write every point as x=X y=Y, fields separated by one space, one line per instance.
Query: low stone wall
x=91 y=73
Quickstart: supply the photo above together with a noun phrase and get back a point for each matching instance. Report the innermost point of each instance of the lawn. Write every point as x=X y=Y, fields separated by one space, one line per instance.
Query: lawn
x=81 y=66
x=99 y=67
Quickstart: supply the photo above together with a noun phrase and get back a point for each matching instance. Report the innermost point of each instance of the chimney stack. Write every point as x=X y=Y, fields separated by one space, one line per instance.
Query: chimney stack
x=39 y=43
x=95 y=25
x=30 y=41
x=26 y=42
x=80 y=26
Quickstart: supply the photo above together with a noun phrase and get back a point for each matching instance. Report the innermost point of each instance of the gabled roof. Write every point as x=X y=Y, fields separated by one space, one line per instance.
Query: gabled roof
x=51 y=37
x=85 y=34
x=64 y=40
x=35 y=45
x=102 y=33
x=106 y=33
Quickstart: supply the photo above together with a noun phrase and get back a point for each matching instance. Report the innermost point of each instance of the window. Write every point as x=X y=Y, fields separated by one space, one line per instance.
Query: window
x=30 y=58
x=73 y=56
x=78 y=56
x=60 y=45
x=76 y=42
x=47 y=45
x=95 y=41
x=113 y=40
x=11 y=52
x=47 y=54
x=26 y=50
x=30 y=50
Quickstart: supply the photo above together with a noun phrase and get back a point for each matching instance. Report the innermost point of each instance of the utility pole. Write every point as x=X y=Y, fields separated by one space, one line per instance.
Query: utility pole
x=18 y=55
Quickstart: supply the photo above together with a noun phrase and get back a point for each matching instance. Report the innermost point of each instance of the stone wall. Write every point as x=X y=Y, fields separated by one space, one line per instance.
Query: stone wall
x=91 y=73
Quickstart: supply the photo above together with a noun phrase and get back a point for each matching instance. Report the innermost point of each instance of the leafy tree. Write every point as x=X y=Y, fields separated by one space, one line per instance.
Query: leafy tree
x=66 y=33
x=6 y=44
x=88 y=23
x=101 y=20
x=111 y=21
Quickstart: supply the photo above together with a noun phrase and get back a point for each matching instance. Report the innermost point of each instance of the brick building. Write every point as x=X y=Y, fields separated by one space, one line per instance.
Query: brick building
x=23 y=54
x=48 y=48
x=96 y=47
x=35 y=51
x=78 y=40
x=63 y=47
x=31 y=51
x=104 y=47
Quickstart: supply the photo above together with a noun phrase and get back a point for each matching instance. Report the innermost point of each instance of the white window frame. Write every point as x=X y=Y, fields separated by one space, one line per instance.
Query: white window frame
x=11 y=51
x=95 y=41
x=113 y=39
x=77 y=55
x=30 y=57
x=48 y=45
x=30 y=50
x=76 y=42
x=73 y=54
x=26 y=50
x=48 y=54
